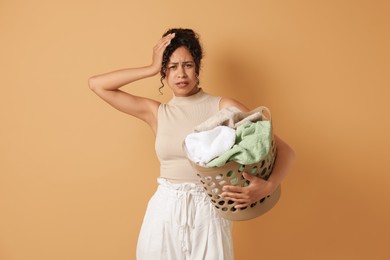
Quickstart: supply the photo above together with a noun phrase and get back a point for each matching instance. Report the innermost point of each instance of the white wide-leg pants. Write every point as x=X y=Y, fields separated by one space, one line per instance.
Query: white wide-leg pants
x=180 y=223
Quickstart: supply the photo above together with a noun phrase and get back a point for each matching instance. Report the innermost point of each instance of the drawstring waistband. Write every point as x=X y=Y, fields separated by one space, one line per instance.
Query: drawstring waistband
x=181 y=223
x=186 y=194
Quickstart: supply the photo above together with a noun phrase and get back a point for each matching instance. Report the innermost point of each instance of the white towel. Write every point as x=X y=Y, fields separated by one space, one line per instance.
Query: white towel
x=204 y=146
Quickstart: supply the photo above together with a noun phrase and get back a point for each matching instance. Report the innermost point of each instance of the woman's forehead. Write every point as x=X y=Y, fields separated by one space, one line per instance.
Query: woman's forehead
x=181 y=54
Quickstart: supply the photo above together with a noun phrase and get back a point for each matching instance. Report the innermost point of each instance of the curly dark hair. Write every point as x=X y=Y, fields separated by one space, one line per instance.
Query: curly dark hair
x=183 y=37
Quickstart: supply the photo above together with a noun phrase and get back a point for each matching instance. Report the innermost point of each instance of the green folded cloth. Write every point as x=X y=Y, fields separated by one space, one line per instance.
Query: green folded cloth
x=253 y=143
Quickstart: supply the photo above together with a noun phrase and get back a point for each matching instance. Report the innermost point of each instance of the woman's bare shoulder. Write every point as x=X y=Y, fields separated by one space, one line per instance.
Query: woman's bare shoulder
x=230 y=102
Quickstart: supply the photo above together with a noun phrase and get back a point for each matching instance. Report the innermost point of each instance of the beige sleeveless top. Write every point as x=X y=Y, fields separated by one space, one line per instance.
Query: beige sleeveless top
x=176 y=120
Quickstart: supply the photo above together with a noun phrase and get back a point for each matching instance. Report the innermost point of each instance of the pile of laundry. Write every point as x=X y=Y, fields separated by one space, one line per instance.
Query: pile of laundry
x=230 y=135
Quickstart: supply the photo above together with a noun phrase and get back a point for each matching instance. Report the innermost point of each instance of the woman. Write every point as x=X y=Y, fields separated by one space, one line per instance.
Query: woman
x=180 y=222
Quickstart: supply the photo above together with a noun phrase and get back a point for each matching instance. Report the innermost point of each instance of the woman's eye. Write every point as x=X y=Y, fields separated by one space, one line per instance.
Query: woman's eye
x=189 y=65
x=172 y=67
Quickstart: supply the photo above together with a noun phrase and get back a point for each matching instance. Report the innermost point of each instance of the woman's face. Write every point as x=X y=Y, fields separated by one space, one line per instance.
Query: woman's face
x=180 y=73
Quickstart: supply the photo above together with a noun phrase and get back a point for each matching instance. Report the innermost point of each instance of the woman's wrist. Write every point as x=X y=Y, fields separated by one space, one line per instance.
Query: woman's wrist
x=271 y=186
x=153 y=69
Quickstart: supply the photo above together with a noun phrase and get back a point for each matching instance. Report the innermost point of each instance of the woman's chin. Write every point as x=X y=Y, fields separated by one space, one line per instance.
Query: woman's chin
x=184 y=91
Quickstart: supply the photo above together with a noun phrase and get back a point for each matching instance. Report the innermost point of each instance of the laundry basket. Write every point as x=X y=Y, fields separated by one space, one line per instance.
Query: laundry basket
x=214 y=178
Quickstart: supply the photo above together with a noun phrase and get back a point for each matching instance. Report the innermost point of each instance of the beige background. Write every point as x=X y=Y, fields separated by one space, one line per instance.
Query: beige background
x=76 y=175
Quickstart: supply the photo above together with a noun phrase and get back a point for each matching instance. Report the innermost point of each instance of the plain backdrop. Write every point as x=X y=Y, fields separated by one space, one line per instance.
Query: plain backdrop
x=76 y=175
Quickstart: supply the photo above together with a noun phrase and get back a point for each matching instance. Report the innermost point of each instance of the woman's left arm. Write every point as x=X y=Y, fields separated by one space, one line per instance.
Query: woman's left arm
x=259 y=188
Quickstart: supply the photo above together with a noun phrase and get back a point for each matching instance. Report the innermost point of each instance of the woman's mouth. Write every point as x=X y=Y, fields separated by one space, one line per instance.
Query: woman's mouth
x=182 y=84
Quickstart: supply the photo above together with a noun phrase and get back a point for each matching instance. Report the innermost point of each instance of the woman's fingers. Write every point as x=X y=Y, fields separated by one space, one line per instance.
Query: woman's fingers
x=235 y=196
x=245 y=196
x=232 y=188
x=164 y=42
x=168 y=38
x=159 y=49
x=240 y=199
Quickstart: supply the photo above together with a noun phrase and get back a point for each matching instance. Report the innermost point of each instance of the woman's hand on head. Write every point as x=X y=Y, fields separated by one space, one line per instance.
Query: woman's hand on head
x=245 y=196
x=159 y=49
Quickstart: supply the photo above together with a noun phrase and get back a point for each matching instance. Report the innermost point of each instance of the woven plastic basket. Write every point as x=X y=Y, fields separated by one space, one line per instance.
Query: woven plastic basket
x=213 y=179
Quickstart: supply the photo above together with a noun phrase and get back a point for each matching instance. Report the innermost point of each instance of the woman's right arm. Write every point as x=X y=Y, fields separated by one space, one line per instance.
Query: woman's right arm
x=107 y=87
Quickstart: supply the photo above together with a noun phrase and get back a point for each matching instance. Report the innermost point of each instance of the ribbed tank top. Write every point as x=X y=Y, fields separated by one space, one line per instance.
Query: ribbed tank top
x=176 y=120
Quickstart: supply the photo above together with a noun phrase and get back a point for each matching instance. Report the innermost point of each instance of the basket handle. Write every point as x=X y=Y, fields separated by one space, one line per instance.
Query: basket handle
x=260 y=109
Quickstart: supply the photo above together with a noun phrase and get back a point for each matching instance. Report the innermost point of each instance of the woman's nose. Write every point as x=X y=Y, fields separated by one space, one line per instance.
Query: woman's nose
x=181 y=72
